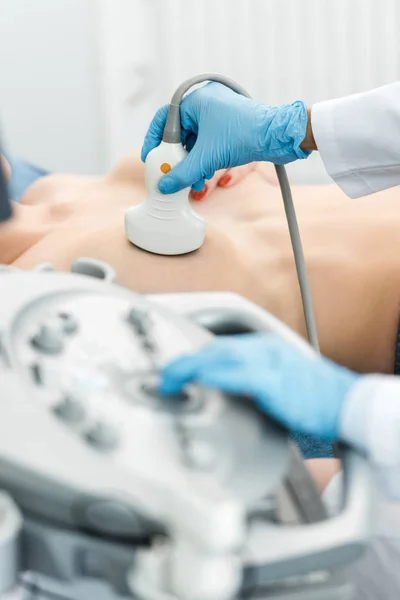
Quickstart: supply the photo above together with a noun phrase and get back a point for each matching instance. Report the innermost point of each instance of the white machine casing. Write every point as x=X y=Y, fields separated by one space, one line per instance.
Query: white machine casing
x=104 y=482
x=164 y=224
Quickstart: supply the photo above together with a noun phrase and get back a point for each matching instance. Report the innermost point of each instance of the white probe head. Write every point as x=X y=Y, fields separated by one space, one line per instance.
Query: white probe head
x=164 y=224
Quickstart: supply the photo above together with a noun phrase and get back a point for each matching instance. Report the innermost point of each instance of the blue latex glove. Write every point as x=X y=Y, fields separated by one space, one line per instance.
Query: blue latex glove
x=222 y=129
x=304 y=393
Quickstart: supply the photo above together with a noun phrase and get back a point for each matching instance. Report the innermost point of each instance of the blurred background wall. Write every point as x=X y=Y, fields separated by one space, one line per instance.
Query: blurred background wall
x=80 y=79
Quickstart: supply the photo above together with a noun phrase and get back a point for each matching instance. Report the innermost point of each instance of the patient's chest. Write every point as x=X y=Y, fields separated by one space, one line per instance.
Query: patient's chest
x=247 y=248
x=89 y=221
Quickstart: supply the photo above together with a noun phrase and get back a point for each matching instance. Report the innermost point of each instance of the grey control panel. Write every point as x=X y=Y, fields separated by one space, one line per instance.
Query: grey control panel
x=93 y=359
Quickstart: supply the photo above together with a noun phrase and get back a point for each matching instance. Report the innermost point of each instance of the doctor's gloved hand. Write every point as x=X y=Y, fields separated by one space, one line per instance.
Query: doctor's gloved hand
x=222 y=129
x=305 y=393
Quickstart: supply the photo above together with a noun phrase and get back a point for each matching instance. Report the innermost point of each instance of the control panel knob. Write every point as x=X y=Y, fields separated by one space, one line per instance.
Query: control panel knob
x=102 y=436
x=139 y=319
x=68 y=323
x=37 y=373
x=176 y=404
x=70 y=410
x=49 y=339
x=200 y=455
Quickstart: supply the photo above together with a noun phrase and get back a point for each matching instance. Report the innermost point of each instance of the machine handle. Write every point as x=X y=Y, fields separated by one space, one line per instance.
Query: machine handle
x=220 y=311
x=272 y=550
x=325 y=546
x=94 y=268
x=10 y=532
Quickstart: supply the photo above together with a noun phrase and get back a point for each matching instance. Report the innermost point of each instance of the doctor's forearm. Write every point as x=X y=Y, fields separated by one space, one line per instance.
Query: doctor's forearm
x=309 y=141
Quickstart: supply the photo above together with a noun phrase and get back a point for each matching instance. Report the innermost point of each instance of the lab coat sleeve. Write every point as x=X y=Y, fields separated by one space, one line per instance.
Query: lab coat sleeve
x=358 y=138
x=371 y=423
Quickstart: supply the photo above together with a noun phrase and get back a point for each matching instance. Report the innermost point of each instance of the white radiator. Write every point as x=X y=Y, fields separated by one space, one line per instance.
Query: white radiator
x=280 y=50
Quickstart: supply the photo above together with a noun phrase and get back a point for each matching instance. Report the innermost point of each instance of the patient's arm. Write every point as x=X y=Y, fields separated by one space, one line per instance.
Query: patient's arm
x=322 y=470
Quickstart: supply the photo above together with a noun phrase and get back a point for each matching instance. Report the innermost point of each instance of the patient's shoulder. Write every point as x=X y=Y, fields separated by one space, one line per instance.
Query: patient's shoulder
x=129 y=170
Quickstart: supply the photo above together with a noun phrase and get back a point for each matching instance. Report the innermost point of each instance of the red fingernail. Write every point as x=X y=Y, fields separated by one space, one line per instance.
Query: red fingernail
x=200 y=195
x=225 y=180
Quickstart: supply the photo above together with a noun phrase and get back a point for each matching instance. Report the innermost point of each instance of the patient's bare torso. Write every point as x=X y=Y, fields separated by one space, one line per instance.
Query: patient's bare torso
x=352 y=250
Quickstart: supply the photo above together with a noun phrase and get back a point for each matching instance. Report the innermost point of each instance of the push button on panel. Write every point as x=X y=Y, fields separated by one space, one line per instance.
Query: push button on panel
x=68 y=323
x=37 y=373
x=110 y=517
x=165 y=168
x=49 y=339
x=102 y=436
x=70 y=410
x=184 y=402
x=139 y=320
x=200 y=455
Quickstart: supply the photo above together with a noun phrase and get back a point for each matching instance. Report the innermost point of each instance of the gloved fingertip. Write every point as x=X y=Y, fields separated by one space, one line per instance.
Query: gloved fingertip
x=143 y=154
x=149 y=144
x=199 y=186
x=169 y=387
x=190 y=141
x=175 y=375
x=168 y=185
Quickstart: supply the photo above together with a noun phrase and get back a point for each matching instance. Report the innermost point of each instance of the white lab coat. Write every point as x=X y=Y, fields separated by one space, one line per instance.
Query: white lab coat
x=358 y=138
x=371 y=422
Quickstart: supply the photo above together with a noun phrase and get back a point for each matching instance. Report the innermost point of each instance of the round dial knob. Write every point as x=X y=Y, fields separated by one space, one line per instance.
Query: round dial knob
x=139 y=320
x=49 y=339
x=68 y=323
x=102 y=436
x=70 y=410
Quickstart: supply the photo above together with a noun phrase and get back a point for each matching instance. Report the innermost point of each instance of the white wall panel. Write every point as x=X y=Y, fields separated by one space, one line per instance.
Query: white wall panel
x=80 y=79
x=50 y=106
